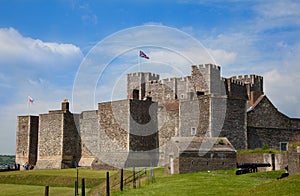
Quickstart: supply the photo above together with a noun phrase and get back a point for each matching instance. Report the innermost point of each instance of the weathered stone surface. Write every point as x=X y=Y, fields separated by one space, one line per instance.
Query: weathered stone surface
x=294 y=159
x=119 y=132
x=189 y=156
x=267 y=126
x=281 y=160
x=26 y=144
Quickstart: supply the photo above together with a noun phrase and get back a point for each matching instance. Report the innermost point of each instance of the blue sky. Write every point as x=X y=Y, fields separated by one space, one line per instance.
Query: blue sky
x=42 y=44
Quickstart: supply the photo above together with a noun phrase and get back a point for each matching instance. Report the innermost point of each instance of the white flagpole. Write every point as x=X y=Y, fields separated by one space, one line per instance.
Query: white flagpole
x=139 y=62
x=28 y=105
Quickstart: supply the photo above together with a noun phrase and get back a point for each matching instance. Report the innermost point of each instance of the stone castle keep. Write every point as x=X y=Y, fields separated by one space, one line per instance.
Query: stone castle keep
x=158 y=114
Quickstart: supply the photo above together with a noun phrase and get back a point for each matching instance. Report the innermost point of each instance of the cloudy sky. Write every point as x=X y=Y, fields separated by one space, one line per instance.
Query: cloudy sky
x=45 y=46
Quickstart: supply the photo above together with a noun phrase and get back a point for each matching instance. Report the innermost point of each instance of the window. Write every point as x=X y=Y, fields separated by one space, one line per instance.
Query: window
x=283 y=146
x=193 y=131
x=182 y=96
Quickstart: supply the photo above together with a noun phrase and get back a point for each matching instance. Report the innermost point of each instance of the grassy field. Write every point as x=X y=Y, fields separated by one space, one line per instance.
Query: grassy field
x=61 y=182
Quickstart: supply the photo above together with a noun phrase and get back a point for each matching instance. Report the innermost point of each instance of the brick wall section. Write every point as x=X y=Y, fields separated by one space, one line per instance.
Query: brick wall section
x=234 y=127
x=266 y=125
x=26 y=139
x=294 y=159
x=192 y=162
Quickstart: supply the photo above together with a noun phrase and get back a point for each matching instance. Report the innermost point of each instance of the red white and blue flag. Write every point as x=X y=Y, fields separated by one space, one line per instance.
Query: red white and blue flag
x=30 y=99
x=143 y=55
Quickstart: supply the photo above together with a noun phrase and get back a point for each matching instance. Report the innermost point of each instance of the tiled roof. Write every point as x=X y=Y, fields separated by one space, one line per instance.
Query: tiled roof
x=171 y=106
x=256 y=103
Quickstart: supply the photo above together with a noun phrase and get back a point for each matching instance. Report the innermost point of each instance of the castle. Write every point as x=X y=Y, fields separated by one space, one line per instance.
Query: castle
x=135 y=131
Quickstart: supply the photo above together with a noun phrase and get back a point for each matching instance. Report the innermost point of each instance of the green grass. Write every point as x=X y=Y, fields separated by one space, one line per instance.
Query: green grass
x=61 y=182
x=30 y=190
x=260 y=151
x=204 y=183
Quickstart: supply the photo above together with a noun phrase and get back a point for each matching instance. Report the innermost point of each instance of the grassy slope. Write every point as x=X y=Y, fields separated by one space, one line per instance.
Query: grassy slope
x=202 y=183
x=61 y=182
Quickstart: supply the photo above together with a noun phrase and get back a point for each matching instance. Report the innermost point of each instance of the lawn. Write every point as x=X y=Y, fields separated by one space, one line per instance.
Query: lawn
x=61 y=182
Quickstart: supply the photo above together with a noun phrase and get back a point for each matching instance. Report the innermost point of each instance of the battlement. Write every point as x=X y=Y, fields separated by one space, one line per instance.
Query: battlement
x=151 y=75
x=247 y=79
x=154 y=82
x=206 y=66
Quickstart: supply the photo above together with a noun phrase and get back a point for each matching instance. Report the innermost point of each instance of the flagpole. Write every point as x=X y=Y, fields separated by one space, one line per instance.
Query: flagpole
x=139 y=62
x=28 y=105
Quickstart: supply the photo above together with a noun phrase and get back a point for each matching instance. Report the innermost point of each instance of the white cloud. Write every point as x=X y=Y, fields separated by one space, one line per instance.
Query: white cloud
x=14 y=47
x=279 y=9
x=43 y=70
x=223 y=57
x=281 y=84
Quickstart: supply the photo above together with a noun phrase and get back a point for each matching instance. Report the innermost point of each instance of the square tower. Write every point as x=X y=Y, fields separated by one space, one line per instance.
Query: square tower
x=27 y=139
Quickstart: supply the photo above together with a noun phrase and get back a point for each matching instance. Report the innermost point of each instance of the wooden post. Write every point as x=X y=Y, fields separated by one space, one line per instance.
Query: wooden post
x=139 y=180
x=76 y=188
x=82 y=187
x=46 y=190
x=133 y=181
x=107 y=184
x=121 y=180
x=148 y=174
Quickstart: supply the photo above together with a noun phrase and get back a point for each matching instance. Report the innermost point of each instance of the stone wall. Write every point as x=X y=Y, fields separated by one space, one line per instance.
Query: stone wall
x=71 y=149
x=139 y=81
x=168 y=126
x=50 y=140
x=113 y=140
x=280 y=160
x=294 y=159
x=89 y=134
x=143 y=137
x=258 y=137
x=26 y=139
x=192 y=162
x=234 y=127
x=266 y=125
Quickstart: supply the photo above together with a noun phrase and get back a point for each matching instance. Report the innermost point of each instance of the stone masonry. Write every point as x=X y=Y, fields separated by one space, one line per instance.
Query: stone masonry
x=136 y=131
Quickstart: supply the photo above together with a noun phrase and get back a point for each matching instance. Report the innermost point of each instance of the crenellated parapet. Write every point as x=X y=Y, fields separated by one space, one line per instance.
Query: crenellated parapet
x=252 y=83
x=252 y=80
x=150 y=75
x=206 y=66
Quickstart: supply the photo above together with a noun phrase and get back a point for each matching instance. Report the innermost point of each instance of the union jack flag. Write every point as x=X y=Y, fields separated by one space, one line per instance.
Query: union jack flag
x=143 y=55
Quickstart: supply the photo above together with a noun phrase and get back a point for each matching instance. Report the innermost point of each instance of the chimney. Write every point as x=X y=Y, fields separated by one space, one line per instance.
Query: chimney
x=65 y=105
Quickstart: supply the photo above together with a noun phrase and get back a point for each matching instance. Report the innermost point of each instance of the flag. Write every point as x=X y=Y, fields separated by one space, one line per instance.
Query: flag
x=30 y=99
x=143 y=55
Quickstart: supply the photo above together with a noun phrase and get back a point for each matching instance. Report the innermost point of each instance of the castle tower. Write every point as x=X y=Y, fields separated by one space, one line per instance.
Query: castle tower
x=206 y=79
x=27 y=138
x=59 y=142
x=137 y=86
